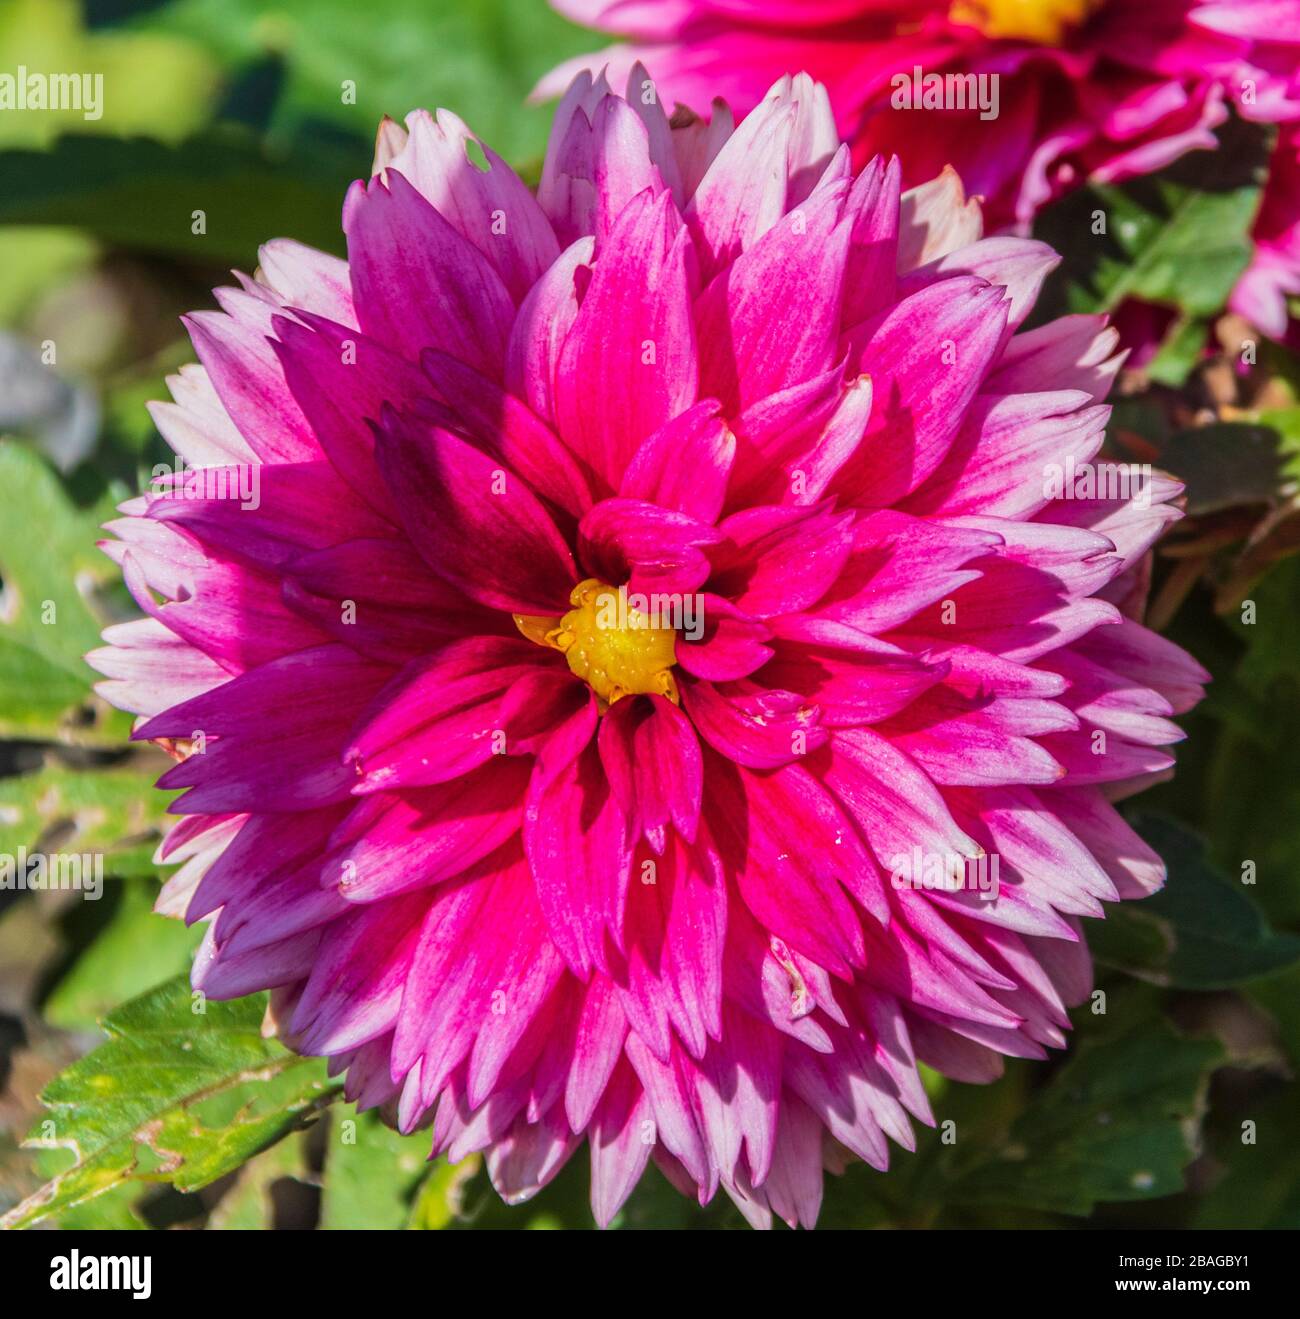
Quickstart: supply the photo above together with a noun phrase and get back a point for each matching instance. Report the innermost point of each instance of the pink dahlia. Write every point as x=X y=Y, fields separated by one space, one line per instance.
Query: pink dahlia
x=582 y=619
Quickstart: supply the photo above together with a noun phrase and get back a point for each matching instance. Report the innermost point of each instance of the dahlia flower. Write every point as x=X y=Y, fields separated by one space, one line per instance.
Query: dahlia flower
x=574 y=614
x=1101 y=89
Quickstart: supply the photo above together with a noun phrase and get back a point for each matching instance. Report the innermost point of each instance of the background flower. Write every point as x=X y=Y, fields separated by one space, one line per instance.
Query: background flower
x=1087 y=89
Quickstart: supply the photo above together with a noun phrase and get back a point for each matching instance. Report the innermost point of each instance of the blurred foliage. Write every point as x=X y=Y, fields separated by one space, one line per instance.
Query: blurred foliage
x=258 y=113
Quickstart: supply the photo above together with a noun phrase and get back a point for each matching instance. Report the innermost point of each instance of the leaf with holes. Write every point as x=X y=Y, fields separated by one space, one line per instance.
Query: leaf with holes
x=175 y=1095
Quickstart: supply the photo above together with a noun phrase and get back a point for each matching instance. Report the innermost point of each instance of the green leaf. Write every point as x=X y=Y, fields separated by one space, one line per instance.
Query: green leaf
x=1279 y=996
x=43 y=566
x=1179 y=353
x=1178 y=246
x=1119 y=1122
x=371 y=1173
x=1286 y=422
x=1252 y=796
x=152 y=83
x=1274 y=636
x=35 y=695
x=1201 y=931
x=175 y=1095
x=1178 y=239
x=114 y=1211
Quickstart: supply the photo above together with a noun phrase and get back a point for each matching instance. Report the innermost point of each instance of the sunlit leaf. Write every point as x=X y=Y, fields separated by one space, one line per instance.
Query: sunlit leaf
x=176 y=1095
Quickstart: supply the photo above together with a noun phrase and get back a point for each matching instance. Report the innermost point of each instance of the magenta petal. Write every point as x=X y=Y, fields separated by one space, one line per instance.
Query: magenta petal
x=652 y=758
x=379 y=597
x=341 y=380
x=598 y=1046
x=285 y=722
x=1019 y=265
x=628 y=364
x=684 y=465
x=443 y=715
x=753 y=725
x=576 y=837
x=873 y=250
x=897 y=806
x=743 y=193
x=732 y=645
x=392 y=843
x=545 y=317
x=418 y=283
x=650 y=548
x=792 y=405
x=597 y=160
x=790 y=875
x=509 y=431
x=777 y=560
x=772 y=319
x=619 y=1150
x=250 y=382
x=491 y=207
x=467 y=499
x=923 y=383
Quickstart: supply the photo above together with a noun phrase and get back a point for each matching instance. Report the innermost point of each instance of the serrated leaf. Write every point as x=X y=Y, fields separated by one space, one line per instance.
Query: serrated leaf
x=1225 y=464
x=1180 y=247
x=1201 y=931
x=173 y=1096
x=1178 y=239
x=1119 y=1122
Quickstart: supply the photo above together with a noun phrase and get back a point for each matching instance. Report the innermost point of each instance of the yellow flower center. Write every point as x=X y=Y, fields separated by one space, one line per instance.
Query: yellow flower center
x=1046 y=22
x=616 y=649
